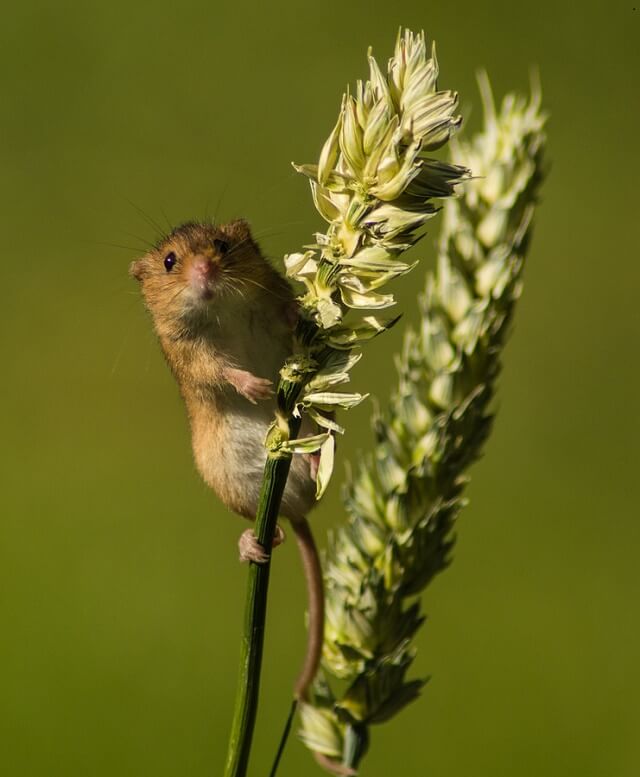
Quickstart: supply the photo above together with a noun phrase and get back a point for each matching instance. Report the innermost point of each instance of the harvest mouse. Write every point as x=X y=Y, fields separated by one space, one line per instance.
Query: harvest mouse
x=225 y=321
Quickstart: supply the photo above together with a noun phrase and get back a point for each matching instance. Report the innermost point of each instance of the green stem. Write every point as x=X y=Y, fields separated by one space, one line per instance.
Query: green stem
x=273 y=483
x=284 y=738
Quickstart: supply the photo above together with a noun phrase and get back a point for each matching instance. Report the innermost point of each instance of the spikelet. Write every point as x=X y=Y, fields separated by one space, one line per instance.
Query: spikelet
x=374 y=184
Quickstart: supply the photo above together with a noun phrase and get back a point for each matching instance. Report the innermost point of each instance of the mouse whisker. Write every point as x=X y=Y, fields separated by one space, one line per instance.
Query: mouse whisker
x=250 y=239
x=241 y=293
x=220 y=198
x=168 y=220
x=235 y=248
x=144 y=241
x=151 y=221
x=260 y=286
x=134 y=249
x=177 y=294
x=235 y=286
x=275 y=230
x=268 y=232
x=232 y=288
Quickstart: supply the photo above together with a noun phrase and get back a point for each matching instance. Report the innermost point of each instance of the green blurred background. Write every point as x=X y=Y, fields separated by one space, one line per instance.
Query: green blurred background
x=120 y=593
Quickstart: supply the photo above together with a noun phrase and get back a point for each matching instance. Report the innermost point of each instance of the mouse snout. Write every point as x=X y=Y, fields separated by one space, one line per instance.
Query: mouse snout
x=202 y=272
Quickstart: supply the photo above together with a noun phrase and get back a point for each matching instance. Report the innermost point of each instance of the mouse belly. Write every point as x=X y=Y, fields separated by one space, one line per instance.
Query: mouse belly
x=230 y=455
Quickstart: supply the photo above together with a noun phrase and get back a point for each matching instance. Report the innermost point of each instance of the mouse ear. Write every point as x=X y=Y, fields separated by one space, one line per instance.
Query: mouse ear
x=138 y=269
x=240 y=230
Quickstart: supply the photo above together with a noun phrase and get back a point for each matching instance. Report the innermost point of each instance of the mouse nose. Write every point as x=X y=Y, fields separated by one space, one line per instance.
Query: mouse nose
x=202 y=267
x=202 y=274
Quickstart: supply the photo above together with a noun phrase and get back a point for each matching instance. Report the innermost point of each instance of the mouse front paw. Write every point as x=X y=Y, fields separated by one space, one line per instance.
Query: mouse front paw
x=250 y=386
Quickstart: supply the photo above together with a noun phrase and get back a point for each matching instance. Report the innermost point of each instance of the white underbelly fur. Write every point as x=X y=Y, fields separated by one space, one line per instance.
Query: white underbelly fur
x=236 y=467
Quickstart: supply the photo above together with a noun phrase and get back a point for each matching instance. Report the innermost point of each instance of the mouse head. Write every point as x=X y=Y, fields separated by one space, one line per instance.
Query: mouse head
x=197 y=266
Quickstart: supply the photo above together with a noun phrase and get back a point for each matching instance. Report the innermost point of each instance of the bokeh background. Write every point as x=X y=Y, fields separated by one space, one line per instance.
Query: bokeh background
x=120 y=593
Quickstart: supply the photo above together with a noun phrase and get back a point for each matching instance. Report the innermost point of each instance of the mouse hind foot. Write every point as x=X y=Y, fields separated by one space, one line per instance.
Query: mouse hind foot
x=251 y=550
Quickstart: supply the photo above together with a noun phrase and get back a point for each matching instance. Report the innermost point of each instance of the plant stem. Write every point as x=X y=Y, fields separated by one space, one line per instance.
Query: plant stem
x=284 y=738
x=273 y=483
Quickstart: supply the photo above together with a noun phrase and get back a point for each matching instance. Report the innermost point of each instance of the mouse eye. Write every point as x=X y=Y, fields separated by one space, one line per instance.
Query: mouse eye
x=221 y=246
x=169 y=261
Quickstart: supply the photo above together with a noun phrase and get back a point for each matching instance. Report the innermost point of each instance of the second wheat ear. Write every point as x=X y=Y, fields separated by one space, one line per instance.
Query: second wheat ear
x=405 y=496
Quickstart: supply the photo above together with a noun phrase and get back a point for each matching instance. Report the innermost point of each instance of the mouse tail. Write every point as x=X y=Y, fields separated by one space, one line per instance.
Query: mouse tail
x=315 y=592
